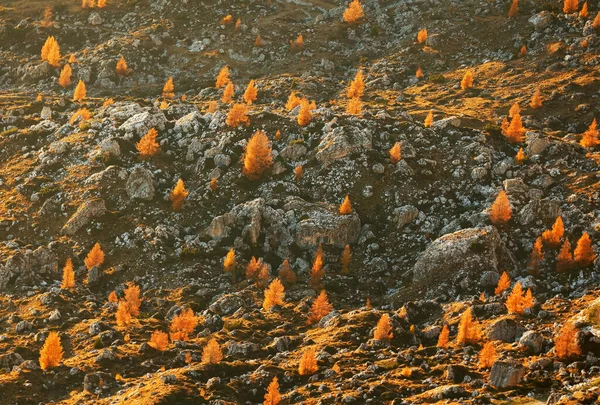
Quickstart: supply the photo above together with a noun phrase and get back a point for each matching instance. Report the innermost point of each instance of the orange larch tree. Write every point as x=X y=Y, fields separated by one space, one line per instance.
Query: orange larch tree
x=443 y=339
x=419 y=73
x=584 y=252
x=596 y=22
x=178 y=194
x=514 y=109
x=503 y=283
x=396 y=153
x=159 y=341
x=552 y=237
x=422 y=36
x=317 y=272
x=272 y=396
x=64 y=80
x=253 y=268
x=354 y=107
x=565 y=343
x=429 y=119
x=564 y=260
x=297 y=44
x=589 y=138
x=132 y=299
x=514 y=8
x=356 y=89
x=520 y=157
x=354 y=12
x=238 y=114
x=345 y=259
x=212 y=354
x=487 y=355
x=536 y=99
x=52 y=352
x=346 y=207
x=112 y=297
x=214 y=184
x=308 y=362
x=468 y=329
x=183 y=324
x=68 y=280
x=500 y=212
x=123 y=316
x=95 y=257
x=583 y=13
x=251 y=92
x=122 y=69
x=286 y=274
x=383 y=331
x=80 y=92
x=467 y=80
x=320 y=308
x=274 y=295
x=258 y=156
x=292 y=102
x=537 y=255
x=147 y=146
x=228 y=92
x=222 y=77
x=229 y=264
x=298 y=170
x=304 y=115
x=169 y=89
x=570 y=6
x=514 y=132
x=517 y=302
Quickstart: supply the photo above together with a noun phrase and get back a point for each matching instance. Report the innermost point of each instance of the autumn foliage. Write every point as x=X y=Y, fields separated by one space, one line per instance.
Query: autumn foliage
x=52 y=352
x=570 y=6
x=228 y=92
x=356 y=89
x=292 y=102
x=514 y=8
x=487 y=355
x=212 y=354
x=443 y=339
x=51 y=52
x=517 y=302
x=123 y=316
x=346 y=207
x=68 y=280
x=251 y=92
x=467 y=80
x=64 y=80
x=354 y=106
x=514 y=132
x=122 y=69
x=520 y=156
x=229 y=264
x=422 y=36
x=183 y=324
x=274 y=295
x=319 y=308
x=428 y=120
x=286 y=274
x=222 y=77
x=80 y=92
x=147 y=146
x=159 y=340
x=258 y=156
x=317 y=272
x=95 y=257
x=503 y=283
x=169 y=89
x=178 y=194
x=132 y=299
x=238 y=114
x=565 y=344
x=383 y=331
x=500 y=212
x=354 y=12
x=396 y=153
x=304 y=114
x=272 y=396
x=552 y=237
x=584 y=253
x=468 y=329
x=537 y=255
x=345 y=259
x=536 y=99
x=308 y=362
x=589 y=138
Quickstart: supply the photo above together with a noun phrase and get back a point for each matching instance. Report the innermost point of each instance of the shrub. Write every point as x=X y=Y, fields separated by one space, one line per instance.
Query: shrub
x=308 y=362
x=320 y=308
x=159 y=340
x=383 y=331
x=183 y=324
x=396 y=153
x=251 y=93
x=211 y=354
x=274 y=295
x=52 y=352
x=298 y=172
x=147 y=146
x=258 y=156
x=95 y=257
x=500 y=212
x=178 y=194
x=354 y=12
x=297 y=44
x=68 y=280
x=237 y=115
x=214 y=185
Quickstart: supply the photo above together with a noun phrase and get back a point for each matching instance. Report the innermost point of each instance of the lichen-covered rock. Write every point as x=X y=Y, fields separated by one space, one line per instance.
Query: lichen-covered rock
x=86 y=211
x=506 y=374
x=504 y=329
x=140 y=123
x=140 y=184
x=405 y=215
x=463 y=256
x=341 y=142
x=27 y=267
x=188 y=124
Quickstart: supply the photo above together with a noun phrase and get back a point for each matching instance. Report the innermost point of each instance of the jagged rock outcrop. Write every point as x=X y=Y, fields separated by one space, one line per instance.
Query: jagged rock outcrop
x=506 y=374
x=27 y=267
x=86 y=211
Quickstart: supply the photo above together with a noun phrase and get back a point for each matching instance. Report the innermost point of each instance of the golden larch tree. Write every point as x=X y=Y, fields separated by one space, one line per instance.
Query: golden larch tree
x=536 y=99
x=123 y=316
x=564 y=260
x=258 y=156
x=354 y=107
x=159 y=341
x=238 y=114
x=147 y=146
x=80 y=92
x=583 y=13
x=518 y=301
x=292 y=102
x=229 y=264
x=589 y=138
x=514 y=132
x=214 y=184
x=443 y=339
x=468 y=329
x=304 y=114
x=584 y=252
x=552 y=237
x=317 y=272
x=212 y=354
x=264 y=275
x=520 y=157
x=537 y=255
x=95 y=257
x=428 y=120
x=51 y=353
x=308 y=362
x=228 y=92
x=132 y=299
x=422 y=36
x=500 y=212
x=52 y=53
x=419 y=73
x=112 y=297
x=228 y=19
x=596 y=22
x=570 y=6
x=122 y=69
x=222 y=77
x=320 y=308
x=487 y=355
x=274 y=295
x=64 y=80
x=514 y=8
x=82 y=114
x=383 y=331
x=251 y=93
x=354 y=12
x=169 y=89
x=514 y=109
x=396 y=153
x=522 y=51
x=183 y=324
x=68 y=280
x=345 y=259
x=272 y=396
x=467 y=80
x=259 y=41
x=286 y=274
x=565 y=343
x=298 y=171
x=278 y=135
x=253 y=268
x=356 y=89
x=346 y=207
x=178 y=194
x=101 y=3
x=297 y=44
x=503 y=283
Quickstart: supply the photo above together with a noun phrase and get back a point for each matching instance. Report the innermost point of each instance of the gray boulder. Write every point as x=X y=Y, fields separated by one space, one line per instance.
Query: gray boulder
x=140 y=184
x=27 y=267
x=140 y=123
x=504 y=329
x=506 y=374
x=86 y=211
x=340 y=142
